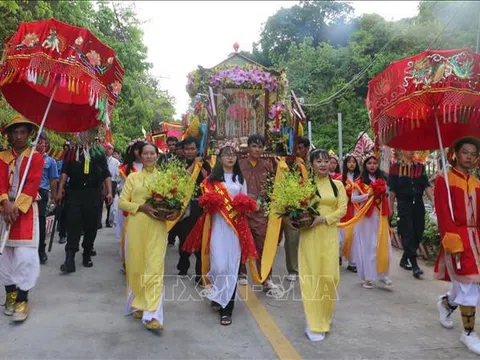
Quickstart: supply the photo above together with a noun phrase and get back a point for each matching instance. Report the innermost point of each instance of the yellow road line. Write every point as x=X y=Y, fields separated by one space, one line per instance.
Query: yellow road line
x=280 y=344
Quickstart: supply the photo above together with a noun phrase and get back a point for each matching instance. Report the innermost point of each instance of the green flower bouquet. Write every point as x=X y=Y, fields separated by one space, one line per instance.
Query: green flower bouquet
x=295 y=198
x=170 y=187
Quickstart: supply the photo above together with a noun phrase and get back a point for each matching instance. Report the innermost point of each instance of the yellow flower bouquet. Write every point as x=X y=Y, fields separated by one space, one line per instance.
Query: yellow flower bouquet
x=170 y=187
x=295 y=198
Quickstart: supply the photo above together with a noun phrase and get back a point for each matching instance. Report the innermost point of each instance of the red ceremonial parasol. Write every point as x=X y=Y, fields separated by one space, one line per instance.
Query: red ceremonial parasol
x=50 y=58
x=59 y=76
x=412 y=96
x=427 y=101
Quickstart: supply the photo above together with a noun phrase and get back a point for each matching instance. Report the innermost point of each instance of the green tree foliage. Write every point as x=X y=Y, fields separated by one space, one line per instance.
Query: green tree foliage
x=319 y=21
x=142 y=103
x=323 y=48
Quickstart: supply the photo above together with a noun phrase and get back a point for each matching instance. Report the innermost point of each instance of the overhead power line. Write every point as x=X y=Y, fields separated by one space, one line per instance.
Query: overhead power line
x=356 y=77
x=446 y=25
x=359 y=75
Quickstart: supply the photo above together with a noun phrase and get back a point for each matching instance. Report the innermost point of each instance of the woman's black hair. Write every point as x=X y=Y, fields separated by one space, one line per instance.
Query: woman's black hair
x=337 y=168
x=130 y=155
x=151 y=144
x=356 y=171
x=378 y=174
x=218 y=174
x=322 y=154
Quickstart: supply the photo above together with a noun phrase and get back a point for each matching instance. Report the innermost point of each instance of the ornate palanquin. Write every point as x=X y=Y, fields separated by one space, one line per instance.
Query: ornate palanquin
x=238 y=98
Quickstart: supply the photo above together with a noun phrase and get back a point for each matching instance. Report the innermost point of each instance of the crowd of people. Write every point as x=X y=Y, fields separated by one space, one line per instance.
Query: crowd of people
x=355 y=207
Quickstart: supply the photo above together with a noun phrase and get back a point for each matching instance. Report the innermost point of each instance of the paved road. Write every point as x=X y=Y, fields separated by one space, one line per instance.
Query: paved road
x=79 y=316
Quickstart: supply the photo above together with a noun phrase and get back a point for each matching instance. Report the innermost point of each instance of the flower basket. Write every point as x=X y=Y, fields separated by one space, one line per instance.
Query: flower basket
x=162 y=208
x=170 y=187
x=304 y=221
x=295 y=198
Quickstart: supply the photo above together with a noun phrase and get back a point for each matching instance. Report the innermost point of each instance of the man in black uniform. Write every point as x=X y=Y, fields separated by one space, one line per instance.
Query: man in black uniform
x=190 y=149
x=407 y=182
x=172 y=146
x=84 y=199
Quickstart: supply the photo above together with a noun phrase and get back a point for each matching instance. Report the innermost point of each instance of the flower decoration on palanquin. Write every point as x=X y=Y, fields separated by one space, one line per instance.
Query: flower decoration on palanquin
x=276 y=109
x=244 y=204
x=79 y=41
x=244 y=76
x=196 y=83
x=211 y=202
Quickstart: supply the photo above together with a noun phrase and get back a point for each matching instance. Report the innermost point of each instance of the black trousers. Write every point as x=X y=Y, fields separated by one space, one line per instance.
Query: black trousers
x=99 y=214
x=83 y=208
x=411 y=224
x=184 y=228
x=173 y=234
x=42 y=219
x=62 y=219
x=228 y=310
x=114 y=191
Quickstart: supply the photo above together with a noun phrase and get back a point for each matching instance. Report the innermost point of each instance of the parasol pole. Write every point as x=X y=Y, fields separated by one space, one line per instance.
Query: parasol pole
x=444 y=163
x=29 y=162
x=445 y=174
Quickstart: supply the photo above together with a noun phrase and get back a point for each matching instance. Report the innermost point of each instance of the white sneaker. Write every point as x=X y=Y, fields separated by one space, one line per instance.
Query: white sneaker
x=242 y=281
x=367 y=284
x=314 y=336
x=444 y=313
x=387 y=282
x=269 y=285
x=472 y=342
x=292 y=277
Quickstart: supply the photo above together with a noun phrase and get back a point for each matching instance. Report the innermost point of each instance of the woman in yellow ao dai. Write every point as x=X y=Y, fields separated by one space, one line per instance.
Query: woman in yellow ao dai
x=318 y=251
x=147 y=244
